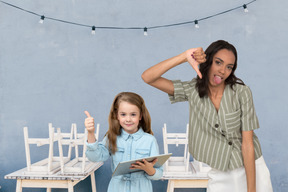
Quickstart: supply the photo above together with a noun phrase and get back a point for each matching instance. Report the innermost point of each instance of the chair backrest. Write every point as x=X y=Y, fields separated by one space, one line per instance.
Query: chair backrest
x=176 y=139
x=53 y=163
x=79 y=164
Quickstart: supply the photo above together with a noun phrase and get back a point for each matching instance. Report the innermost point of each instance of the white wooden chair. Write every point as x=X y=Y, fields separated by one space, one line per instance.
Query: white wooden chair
x=48 y=165
x=200 y=167
x=178 y=170
x=78 y=165
x=47 y=173
x=179 y=165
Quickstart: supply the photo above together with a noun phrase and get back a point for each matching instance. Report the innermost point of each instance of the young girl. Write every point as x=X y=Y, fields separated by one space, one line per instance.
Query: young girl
x=129 y=137
x=222 y=117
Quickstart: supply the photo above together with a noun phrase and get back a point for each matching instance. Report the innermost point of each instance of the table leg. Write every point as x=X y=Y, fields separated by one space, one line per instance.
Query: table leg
x=48 y=189
x=70 y=186
x=93 y=182
x=19 y=185
x=170 y=186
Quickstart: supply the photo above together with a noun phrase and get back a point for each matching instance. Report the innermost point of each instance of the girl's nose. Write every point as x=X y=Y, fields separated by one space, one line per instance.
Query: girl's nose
x=128 y=118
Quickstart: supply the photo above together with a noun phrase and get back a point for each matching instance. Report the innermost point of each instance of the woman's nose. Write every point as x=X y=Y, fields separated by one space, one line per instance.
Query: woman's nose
x=222 y=69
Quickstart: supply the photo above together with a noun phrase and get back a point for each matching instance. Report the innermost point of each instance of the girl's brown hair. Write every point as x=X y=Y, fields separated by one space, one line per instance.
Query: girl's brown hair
x=114 y=125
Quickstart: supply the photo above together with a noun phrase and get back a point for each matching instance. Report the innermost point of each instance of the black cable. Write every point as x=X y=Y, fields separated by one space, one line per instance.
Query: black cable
x=153 y=27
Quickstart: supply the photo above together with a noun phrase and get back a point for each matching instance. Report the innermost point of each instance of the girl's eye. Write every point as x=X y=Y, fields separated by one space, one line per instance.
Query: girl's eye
x=122 y=114
x=133 y=114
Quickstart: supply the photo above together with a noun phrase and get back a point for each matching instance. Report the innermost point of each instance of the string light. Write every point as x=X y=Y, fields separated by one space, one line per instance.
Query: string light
x=42 y=19
x=130 y=28
x=196 y=24
x=145 y=31
x=245 y=8
x=93 y=32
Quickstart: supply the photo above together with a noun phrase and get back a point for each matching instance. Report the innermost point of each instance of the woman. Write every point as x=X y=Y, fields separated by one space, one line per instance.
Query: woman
x=222 y=117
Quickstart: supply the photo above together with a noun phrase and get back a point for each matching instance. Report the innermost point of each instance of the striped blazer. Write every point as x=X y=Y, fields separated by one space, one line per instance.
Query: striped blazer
x=215 y=138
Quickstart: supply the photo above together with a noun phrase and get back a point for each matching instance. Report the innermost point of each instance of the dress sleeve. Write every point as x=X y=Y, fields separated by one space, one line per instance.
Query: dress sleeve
x=181 y=91
x=97 y=151
x=153 y=152
x=249 y=119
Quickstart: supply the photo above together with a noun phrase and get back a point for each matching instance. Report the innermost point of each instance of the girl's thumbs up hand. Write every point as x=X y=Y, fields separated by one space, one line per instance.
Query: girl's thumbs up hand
x=89 y=123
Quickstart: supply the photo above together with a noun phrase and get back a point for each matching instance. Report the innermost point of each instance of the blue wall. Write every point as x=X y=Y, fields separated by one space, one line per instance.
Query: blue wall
x=55 y=71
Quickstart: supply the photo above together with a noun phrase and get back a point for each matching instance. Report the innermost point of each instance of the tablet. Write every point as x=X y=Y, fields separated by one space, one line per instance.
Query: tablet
x=124 y=166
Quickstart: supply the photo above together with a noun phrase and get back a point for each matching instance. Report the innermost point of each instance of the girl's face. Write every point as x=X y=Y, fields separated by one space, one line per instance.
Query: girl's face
x=129 y=116
x=221 y=68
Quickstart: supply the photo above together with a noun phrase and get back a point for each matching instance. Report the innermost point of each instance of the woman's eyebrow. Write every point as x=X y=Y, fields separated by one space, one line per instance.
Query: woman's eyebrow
x=223 y=61
x=219 y=59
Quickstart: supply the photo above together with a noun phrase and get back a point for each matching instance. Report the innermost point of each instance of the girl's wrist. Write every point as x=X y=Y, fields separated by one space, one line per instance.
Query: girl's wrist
x=90 y=130
x=152 y=172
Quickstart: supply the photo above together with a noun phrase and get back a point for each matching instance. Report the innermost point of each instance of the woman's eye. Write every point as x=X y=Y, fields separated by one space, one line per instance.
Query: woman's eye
x=218 y=62
x=230 y=68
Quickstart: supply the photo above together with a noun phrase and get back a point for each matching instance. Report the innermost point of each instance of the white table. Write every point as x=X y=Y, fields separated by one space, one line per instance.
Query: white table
x=55 y=180
x=193 y=180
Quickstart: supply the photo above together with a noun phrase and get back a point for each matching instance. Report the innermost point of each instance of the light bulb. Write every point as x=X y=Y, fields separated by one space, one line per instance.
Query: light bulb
x=245 y=8
x=42 y=19
x=145 y=31
x=93 y=32
x=196 y=24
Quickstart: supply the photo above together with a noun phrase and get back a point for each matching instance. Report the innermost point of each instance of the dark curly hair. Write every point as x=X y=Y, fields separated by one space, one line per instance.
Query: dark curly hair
x=202 y=84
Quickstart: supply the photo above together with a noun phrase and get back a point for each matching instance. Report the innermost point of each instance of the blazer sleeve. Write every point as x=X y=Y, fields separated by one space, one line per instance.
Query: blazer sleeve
x=249 y=119
x=182 y=89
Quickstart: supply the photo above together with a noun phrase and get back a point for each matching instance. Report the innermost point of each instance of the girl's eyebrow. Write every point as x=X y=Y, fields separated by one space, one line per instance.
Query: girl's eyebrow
x=130 y=112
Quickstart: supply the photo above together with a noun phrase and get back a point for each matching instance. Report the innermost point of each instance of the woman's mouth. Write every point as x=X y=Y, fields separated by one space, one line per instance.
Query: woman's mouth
x=217 y=79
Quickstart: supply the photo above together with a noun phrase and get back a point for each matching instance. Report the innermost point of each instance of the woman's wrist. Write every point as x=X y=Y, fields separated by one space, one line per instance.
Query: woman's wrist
x=182 y=57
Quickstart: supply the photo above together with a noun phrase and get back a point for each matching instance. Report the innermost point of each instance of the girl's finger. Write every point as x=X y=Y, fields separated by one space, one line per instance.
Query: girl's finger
x=87 y=114
x=89 y=120
x=154 y=161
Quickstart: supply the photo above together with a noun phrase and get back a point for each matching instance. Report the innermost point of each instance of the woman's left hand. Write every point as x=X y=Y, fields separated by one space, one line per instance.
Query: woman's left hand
x=195 y=57
x=146 y=166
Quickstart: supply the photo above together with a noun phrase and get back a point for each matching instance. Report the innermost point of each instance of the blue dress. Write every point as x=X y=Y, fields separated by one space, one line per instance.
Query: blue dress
x=129 y=147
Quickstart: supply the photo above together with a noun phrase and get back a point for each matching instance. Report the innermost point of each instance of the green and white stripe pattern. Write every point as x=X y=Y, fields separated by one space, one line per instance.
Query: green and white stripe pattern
x=215 y=137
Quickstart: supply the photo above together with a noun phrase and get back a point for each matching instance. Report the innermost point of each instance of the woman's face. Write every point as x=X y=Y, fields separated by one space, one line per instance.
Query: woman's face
x=222 y=65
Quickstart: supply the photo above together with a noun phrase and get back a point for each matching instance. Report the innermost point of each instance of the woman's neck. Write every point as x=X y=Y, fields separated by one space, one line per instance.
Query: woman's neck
x=216 y=92
x=215 y=95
